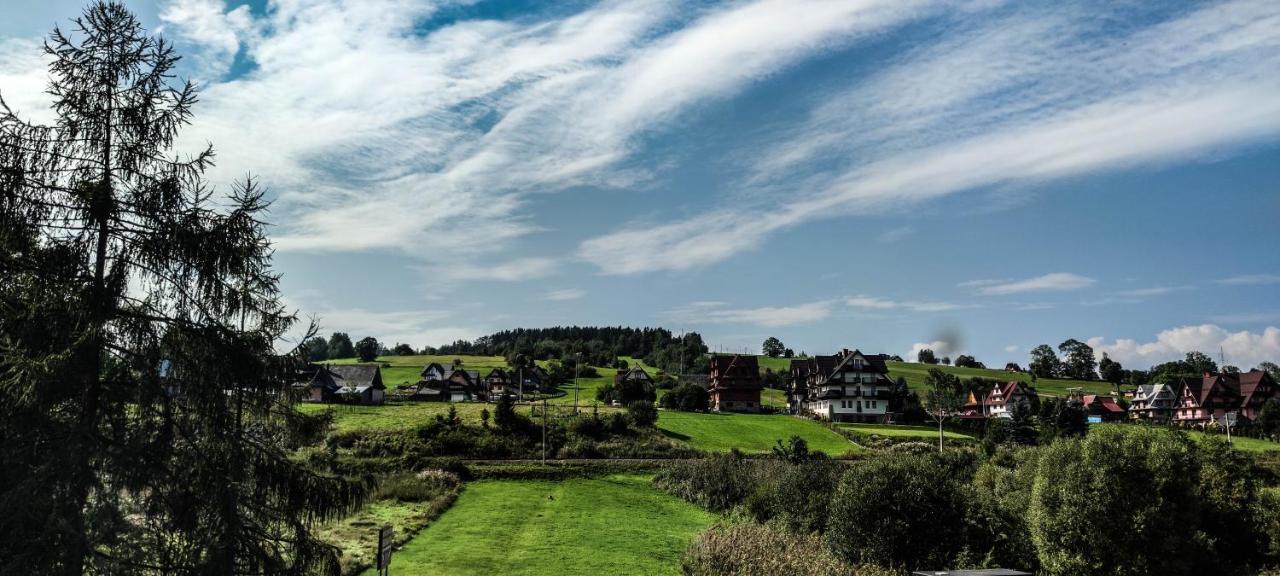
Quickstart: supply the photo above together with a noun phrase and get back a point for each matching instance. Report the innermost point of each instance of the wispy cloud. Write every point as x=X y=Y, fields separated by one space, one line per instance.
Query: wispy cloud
x=511 y=271
x=1154 y=291
x=1247 y=318
x=767 y=316
x=1052 y=282
x=875 y=303
x=1004 y=102
x=565 y=294
x=1243 y=348
x=894 y=235
x=1251 y=280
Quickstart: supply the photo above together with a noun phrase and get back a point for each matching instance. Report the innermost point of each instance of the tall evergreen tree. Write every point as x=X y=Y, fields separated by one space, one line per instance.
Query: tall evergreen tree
x=142 y=404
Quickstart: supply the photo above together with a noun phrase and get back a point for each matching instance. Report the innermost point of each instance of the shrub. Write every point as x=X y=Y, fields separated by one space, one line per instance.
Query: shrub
x=589 y=427
x=687 y=397
x=1120 y=501
x=717 y=483
x=758 y=550
x=642 y=414
x=416 y=487
x=900 y=510
x=1267 y=511
x=997 y=531
x=803 y=494
x=1228 y=491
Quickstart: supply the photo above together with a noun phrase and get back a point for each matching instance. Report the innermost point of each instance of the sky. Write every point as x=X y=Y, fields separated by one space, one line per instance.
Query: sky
x=973 y=177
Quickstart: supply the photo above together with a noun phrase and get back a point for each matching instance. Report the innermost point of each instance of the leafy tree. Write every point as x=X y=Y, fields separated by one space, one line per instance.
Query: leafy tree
x=1062 y=418
x=1120 y=501
x=642 y=414
x=620 y=364
x=367 y=349
x=967 y=361
x=1078 y=362
x=1230 y=369
x=1228 y=490
x=317 y=349
x=1270 y=368
x=900 y=510
x=943 y=393
x=795 y=451
x=788 y=353
x=1044 y=363
x=1268 y=420
x=772 y=347
x=340 y=346
x=1199 y=363
x=946 y=360
x=686 y=397
x=925 y=356
x=138 y=318
x=402 y=350
x=1110 y=370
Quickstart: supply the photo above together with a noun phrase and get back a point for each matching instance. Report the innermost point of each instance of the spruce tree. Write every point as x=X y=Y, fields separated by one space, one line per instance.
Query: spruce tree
x=144 y=410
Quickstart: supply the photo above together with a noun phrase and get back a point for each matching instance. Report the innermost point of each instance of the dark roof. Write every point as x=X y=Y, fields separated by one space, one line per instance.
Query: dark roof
x=632 y=373
x=735 y=371
x=428 y=367
x=356 y=376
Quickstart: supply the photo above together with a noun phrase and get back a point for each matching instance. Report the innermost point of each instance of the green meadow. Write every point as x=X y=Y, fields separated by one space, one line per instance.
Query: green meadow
x=901 y=431
x=916 y=373
x=579 y=526
x=716 y=432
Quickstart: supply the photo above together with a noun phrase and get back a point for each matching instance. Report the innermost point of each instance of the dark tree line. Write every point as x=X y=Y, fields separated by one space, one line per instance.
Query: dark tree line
x=138 y=319
x=598 y=346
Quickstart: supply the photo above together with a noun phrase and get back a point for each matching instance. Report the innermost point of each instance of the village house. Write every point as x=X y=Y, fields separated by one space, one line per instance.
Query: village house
x=1212 y=396
x=1154 y=402
x=356 y=384
x=1001 y=400
x=1101 y=408
x=846 y=387
x=633 y=374
x=735 y=384
x=499 y=382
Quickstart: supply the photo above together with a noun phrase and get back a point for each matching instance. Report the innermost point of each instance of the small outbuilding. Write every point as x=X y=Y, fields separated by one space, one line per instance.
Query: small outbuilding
x=354 y=384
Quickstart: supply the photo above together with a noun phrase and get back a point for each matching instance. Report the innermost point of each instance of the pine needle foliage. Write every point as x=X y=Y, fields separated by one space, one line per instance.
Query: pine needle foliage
x=144 y=411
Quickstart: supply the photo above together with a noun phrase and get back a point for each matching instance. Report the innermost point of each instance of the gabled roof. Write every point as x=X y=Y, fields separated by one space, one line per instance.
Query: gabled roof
x=633 y=373
x=1104 y=402
x=740 y=371
x=440 y=369
x=348 y=377
x=497 y=373
x=874 y=363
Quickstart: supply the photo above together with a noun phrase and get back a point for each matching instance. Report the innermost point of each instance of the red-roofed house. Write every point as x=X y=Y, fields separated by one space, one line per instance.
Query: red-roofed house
x=1103 y=407
x=735 y=384
x=1212 y=396
x=1004 y=398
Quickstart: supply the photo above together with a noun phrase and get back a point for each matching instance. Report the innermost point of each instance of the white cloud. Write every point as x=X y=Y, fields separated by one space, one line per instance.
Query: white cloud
x=212 y=33
x=1001 y=103
x=565 y=294
x=876 y=303
x=23 y=78
x=1052 y=282
x=1244 y=348
x=1154 y=291
x=894 y=235
x=940 y=348
x=1011 y=348
x=511 y=271
x=417 y=328
x=768 y=316
x=1251 y=280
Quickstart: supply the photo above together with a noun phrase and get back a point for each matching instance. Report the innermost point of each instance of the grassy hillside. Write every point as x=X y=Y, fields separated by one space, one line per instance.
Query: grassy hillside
x=901 y=431
x=915 y=374
x=408 y=416
x=748 y=432
x=611 y=525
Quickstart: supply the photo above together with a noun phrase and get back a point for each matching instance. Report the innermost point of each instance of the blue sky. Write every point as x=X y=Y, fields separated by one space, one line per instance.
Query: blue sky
x=977 y=177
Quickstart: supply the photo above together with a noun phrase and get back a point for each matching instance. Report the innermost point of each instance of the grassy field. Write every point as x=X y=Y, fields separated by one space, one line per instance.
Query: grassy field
x=408 y=416
x=611 y=525
x=915 y=374
x=748 y=432
x=1243 y=444
x=357 y=535
x=900 y=431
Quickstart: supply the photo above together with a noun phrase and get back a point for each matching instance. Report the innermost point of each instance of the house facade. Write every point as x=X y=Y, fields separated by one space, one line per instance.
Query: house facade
x=1154 y=402
x=355 y=384
x=633 y=374
x=499 y=382
x=1102 y=408
x=1003 y=399
x=847 y=387
x=734 y=384
x=1212 y=396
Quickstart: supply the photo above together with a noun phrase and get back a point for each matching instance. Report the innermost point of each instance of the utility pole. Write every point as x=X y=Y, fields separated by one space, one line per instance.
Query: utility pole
x=577 y=366
x=544 y=430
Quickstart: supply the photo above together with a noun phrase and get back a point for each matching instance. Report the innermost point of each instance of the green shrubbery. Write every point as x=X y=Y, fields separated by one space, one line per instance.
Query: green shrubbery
x=759 y=550
x=1121 y=501
x=687 y=397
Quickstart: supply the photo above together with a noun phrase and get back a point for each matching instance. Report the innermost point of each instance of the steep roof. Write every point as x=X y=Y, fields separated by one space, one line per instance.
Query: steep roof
x=358 y=377
x=632 y=373
x=497 y=373
x=735 y=371
x=1104 y=402
x=437 y=366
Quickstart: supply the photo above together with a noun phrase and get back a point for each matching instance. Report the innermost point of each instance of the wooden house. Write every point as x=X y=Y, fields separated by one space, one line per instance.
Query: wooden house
x=356 y=383
x=735 y=384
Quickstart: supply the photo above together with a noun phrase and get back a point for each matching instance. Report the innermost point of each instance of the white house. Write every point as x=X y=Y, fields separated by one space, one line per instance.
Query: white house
x=846 y=387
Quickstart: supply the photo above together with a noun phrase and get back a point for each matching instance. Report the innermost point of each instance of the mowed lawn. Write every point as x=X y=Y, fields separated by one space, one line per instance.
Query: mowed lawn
x=749 y=432
x=1239 y=443
x=902 y=431
x=915 y=374
x=611 y=525
x=407 y=416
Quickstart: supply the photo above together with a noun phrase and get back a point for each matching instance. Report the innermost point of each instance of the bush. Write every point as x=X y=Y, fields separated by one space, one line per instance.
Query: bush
x=416 y=487
x=687 y=397
x=758 y=550
x=1267 y=511
x=898 y=510
x=1228 y=491
x=1121 y=501
x=997 y=531
x=717 y=483
x=803 y=495
x=642 y=414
